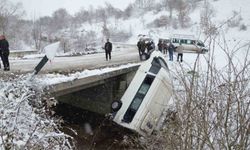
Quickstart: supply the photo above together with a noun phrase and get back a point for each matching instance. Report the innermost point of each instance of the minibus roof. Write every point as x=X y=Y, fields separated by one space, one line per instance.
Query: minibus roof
x=183 y=36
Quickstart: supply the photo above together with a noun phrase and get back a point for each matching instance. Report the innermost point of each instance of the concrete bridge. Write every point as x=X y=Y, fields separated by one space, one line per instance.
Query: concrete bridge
x=95 y=93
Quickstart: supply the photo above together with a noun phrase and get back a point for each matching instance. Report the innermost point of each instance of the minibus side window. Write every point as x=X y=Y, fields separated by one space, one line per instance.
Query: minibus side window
x=137 y=100
x=183 y=41
x=156 y=66
x=163 y=63
x=199 y=43
x=175 y=40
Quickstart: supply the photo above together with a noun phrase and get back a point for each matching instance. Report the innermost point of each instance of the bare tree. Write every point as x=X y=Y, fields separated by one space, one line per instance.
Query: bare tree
x=170 y=6
x=207 y=13
x=183 y=10
x=7 y=10
x=128 y=11
x=82 y=16
x=144 y=4
x=61 y=19
x=37 y=34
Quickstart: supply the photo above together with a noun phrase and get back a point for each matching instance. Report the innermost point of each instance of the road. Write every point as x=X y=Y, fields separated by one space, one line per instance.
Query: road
x=122 y=54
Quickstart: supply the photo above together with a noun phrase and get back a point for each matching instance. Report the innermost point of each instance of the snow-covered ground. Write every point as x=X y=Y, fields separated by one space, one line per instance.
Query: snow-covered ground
x=228 y=40
x=121 y=54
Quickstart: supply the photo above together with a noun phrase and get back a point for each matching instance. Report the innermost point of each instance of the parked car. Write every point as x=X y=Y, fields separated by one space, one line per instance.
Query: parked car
x=189 y=43
x=144 y=103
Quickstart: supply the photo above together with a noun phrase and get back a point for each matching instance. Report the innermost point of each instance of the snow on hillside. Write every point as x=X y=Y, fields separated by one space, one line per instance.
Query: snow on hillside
x=223 y=10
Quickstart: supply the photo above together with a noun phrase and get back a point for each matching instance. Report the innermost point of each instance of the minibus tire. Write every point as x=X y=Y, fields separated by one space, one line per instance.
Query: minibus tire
x=116 y=105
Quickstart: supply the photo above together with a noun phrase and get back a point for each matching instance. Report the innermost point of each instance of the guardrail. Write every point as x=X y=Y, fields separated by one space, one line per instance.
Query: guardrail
x=22 y=53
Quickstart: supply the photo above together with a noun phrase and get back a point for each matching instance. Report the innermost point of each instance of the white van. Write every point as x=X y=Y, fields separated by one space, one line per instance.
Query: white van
x=189 y=43
x=147 y=98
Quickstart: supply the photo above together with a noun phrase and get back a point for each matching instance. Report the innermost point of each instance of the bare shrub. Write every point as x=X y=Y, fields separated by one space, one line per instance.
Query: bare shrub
x=212 y=105
x=207 y=12
x=236 y=20
x=183 y=10
x=175 y=23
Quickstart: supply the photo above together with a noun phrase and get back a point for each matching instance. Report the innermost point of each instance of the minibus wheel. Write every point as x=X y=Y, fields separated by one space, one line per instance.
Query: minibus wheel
x=203 y=51
x=116 y=105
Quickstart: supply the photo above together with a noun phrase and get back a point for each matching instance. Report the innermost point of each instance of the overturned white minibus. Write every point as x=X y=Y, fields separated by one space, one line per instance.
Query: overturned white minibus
x=145 y=102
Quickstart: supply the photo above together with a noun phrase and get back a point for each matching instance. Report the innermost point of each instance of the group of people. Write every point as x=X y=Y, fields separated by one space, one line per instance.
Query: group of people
x=163 y=47
x=145 y=47
x=4 y=53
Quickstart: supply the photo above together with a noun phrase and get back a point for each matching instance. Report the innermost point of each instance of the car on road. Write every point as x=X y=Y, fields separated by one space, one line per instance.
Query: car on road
x=146 y=100
x=189 y=43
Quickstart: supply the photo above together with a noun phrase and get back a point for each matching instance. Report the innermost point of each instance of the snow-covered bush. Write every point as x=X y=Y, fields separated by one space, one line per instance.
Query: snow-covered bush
x=25 y=122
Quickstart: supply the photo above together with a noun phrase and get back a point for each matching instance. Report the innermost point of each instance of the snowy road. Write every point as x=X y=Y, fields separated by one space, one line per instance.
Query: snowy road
x=121 y=55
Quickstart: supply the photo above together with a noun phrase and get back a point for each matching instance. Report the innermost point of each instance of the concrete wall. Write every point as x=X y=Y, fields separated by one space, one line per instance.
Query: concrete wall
x=94 y=93
x=98 y=98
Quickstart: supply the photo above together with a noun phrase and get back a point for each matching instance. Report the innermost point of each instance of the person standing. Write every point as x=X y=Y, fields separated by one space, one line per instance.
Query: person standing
x=139 y=46
x=165 y=47
x=4 y=50
x=180 y=52
x=0 y=50
x=108 y=50
x=160 y=45
x=171 y=51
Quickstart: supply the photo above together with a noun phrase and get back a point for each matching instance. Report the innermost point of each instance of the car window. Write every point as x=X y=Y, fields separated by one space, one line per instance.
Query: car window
x=175 y=40
x=136 y=103
x=144 y=88
x=156 y=66
x=138 y=99
x=191 y=42
x=157 y=63
x=199 y=43
x=183 y=41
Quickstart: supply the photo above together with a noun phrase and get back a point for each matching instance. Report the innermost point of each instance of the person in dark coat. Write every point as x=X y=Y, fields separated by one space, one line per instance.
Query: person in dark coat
x=171 y=51
x=4 y=52
x=165 y=47
x=139 y=46
x=108 y=49
x=0 y=50
x=160 y=45
x=150 y=46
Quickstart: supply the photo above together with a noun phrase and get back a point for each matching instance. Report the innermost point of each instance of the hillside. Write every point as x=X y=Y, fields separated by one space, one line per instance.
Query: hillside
x=230 y=18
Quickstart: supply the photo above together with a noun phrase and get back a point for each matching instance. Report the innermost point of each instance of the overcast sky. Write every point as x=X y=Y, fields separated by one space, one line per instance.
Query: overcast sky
x=38 y=8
